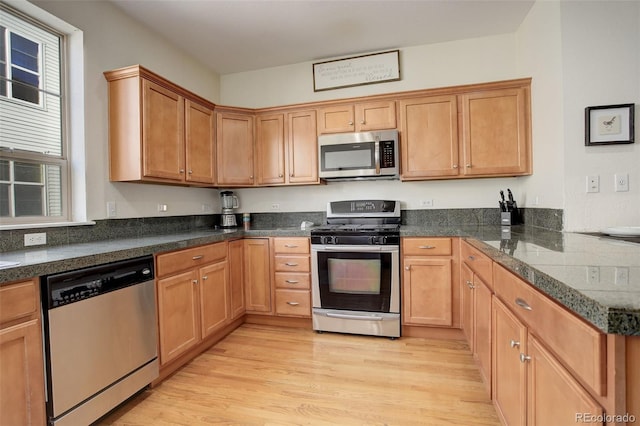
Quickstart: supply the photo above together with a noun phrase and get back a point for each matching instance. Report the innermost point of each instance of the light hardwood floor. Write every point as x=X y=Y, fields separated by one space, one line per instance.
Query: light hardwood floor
x=264 y=375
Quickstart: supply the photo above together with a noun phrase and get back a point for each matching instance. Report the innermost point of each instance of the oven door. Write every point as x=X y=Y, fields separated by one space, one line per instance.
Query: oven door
x=356 y=278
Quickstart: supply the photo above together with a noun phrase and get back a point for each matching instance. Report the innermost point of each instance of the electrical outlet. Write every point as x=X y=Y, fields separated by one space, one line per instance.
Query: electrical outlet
x=593 y=183
x=622 y=182
x=593 y=274
x=111 y=209
x=163 y=207
x=37 y=239
x=275 y=206
x=622 y=275
x=426 y=203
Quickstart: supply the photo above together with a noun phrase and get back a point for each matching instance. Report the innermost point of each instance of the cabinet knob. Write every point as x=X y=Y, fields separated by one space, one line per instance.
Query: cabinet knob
x=468 y=166
x=470 y=285
x=195 y=281
x=251 y=177
x=363 y=122
x=181 y=170
x=514 y=344
x=408 y=268
x=280 y=175
x=291 y=175
x=190 y=172
x=350 y=123
x=455 y=166
x=205 y=278
x=524 y=358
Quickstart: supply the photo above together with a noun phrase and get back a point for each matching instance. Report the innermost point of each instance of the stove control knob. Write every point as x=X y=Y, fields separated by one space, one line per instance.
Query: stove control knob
x=328 y=239
x=378 y=240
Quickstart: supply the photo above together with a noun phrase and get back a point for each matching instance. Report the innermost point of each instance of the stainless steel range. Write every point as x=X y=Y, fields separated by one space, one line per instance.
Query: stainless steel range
x=355 y=269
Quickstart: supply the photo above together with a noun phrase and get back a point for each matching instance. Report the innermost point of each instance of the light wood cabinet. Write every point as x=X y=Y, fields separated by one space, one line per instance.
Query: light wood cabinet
x=427 y=288
x=22 y=400
x=358 y=117
x=158 y=131
x=429 y=137
x=292 y=276
x=236 y=278
x=257 y=276
x=235 y=148
x=471 y=132
x=496 y=133
x=193 y=297
x=287 y=148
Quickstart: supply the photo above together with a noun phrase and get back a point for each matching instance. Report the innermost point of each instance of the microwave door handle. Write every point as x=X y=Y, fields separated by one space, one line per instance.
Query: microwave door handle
x=377 y=154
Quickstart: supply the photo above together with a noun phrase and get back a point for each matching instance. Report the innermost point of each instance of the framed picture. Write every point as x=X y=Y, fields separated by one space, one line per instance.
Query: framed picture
x=356 y=71
x=609 y=124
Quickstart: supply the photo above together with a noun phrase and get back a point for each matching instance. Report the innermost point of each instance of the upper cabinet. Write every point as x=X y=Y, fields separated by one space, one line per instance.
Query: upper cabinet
x=471 y=131
x=358 y=117
x=158 y=132
x=287 y=148
x=234 y=139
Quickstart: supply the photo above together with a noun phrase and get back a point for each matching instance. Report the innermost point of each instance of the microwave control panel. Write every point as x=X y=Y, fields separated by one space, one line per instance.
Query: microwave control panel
x=387 y=154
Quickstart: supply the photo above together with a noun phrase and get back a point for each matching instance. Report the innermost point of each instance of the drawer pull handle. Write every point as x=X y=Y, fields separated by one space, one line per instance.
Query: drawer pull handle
x=198 y=257
x=292 y=281
x=472 y=258
x=514 y=344
x=291 y=246
x=470 y=285
x=524 y=358
x=524 y=305
x=293 y=303
x=427 y=247
x=291 y=264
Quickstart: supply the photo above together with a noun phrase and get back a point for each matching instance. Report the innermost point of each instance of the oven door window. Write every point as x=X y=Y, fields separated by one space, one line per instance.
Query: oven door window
x=355 y=281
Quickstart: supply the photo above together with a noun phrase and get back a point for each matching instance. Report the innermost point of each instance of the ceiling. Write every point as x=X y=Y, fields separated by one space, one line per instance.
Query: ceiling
x=232 y=36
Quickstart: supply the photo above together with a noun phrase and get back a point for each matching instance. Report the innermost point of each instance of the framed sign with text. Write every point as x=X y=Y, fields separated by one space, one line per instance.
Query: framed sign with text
x=356 y=71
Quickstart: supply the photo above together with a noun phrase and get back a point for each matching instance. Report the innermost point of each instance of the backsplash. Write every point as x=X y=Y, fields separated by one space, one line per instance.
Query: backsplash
x=109 y=229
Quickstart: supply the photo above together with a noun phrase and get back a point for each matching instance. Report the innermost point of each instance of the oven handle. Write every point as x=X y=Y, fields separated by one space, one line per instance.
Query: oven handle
x=355 y=317
x=356 y=248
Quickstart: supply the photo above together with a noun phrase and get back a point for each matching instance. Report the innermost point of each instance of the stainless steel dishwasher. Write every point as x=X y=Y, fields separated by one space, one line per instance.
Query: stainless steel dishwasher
x=100 y=334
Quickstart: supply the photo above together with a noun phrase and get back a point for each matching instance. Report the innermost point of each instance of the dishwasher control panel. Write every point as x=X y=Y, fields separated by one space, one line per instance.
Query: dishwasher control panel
x=74 y=286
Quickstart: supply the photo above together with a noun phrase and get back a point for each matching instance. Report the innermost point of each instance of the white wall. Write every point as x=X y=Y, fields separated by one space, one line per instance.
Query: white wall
x=601 y=66
x=113 y=40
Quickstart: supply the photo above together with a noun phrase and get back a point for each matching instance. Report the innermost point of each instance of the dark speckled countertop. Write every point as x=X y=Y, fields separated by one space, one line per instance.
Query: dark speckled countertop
x=595 y=277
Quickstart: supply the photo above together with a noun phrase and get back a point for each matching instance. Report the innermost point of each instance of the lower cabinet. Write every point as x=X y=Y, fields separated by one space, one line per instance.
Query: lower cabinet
x=257 y=276
x=428 y=295
x=193 y=297
x=22 y=400
x=530 y=385
x=236 y=278
x=292 y=277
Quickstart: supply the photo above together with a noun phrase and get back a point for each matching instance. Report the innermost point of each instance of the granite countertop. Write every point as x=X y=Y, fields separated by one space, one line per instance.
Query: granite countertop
x=595 y=277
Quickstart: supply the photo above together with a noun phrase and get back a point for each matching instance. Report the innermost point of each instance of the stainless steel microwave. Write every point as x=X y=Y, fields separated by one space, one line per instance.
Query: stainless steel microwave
x=364 y=155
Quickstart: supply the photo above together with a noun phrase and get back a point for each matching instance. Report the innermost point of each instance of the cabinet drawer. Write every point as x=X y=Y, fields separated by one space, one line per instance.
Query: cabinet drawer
x=18 y=300
x=292 y=264
x=479 y=263
x=293 y=280
x=293 y=302
x=578 y=345
x=291 y=245
x=426 y=246
x=170 y=263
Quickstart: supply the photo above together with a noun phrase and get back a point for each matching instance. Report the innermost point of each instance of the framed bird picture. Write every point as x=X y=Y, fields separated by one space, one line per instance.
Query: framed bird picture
x=609 y=124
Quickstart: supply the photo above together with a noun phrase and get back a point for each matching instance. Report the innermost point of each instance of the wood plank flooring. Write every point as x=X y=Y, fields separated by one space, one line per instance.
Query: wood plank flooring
x=265 y=375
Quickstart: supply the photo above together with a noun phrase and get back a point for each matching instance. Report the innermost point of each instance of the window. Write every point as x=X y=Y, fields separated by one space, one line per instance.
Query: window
x=33 y=163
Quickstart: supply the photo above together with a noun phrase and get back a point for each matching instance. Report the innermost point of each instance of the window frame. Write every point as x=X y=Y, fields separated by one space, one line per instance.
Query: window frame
x=17 y=155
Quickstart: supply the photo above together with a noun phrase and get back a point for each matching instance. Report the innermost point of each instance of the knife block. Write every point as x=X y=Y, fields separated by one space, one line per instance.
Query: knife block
x=509 y=218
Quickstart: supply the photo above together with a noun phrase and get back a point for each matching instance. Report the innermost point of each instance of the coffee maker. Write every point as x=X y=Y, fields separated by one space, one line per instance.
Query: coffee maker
x=228 y=202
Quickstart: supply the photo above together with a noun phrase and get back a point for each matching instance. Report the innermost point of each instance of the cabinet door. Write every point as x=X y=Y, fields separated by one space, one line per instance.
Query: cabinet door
x=302 y=147
x=336 y=119
x=214 y=297
x=21 y=372
x=236 y=278
x=554 y=396
x=467 y=303
x=162 y=132
x=234 y=149
x=427 y=292
x=375 y=116
x=496 y=132
x=257 y=275
x=199 y=143
x=508 y=388
x=178 y=314
x=482 y=329
x=429 y=137
x=270 y=149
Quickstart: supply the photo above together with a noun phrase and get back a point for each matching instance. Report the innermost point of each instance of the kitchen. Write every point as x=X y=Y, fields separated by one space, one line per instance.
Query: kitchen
x=563 y=74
